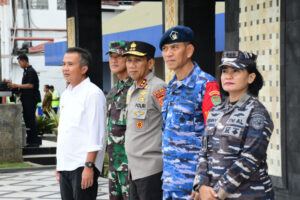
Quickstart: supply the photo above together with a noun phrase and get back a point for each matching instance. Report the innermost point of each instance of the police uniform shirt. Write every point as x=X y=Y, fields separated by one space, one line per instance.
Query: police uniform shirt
x=234 y=146
x=143 y=130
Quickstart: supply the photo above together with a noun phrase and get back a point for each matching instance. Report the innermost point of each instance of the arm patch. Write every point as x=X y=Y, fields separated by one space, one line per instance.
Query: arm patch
x=160 y=95
x=212 y=97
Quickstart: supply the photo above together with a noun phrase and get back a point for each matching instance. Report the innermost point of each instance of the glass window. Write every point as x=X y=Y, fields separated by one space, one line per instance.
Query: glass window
x=61 y=4
x=34 y=4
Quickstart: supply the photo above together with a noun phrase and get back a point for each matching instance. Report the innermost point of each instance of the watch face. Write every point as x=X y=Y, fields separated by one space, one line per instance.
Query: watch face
x=89 y=164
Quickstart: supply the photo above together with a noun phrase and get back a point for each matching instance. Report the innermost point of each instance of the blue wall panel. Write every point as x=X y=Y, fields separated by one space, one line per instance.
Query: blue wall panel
x=150 y=35
x=220 y=32
x=54 y=53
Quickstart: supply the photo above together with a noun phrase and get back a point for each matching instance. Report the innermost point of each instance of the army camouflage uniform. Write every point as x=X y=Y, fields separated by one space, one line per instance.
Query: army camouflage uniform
x=116 y=123
x=233 y=155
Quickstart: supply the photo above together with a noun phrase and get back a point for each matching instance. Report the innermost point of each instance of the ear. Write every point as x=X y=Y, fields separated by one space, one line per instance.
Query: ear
x=251 y=78
x=190 y=50
x=151 y=64
x=84 y=69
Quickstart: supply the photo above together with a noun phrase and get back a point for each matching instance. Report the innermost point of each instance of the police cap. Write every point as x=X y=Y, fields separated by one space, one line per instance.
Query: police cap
x=139 y=48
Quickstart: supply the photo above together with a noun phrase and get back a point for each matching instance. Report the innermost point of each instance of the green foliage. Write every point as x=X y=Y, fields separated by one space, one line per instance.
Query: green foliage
x=55 y=119
x=47 y=124
x=44 y=124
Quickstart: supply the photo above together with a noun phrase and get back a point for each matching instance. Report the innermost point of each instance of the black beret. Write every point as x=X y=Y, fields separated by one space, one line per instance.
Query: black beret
x=177 y=34
x=139 y=48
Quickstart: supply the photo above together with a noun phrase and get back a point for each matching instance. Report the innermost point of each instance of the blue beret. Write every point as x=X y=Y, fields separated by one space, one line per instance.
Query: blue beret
x=177 y=34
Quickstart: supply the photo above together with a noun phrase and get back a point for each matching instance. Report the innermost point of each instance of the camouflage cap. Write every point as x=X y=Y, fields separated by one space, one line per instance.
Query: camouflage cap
x=237 y=59
x=119 y=47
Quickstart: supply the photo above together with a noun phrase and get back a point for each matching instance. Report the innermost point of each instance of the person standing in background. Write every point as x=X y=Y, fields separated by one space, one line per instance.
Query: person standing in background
x=55 y=98
x=30 y=96
x=46 y=104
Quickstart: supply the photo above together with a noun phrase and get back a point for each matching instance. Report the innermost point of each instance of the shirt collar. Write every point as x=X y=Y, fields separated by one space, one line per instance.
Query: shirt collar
x=145 y=81
x=81 y=84
x=189 y=81
x=127 y=81
x=240 y=103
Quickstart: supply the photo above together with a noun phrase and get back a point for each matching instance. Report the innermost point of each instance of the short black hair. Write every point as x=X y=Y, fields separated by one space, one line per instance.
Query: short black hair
x=23 y=57
x=84 y=55
x=51 y=87
x=253 y=88
x=47 y=86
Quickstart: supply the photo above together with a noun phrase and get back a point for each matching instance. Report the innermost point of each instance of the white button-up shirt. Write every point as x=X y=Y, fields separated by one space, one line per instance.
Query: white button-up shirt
x=82 y=127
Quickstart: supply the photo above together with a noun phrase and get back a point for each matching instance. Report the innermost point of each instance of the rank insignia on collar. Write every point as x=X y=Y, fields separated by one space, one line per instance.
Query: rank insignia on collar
x=139 y=124
x=139 y=113
x=174 y=35
x=143 y=92
x=142 y=83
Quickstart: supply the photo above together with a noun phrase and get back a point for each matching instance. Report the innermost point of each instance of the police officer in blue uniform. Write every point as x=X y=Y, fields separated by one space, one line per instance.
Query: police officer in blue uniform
x=232 y=163
x=189 y=97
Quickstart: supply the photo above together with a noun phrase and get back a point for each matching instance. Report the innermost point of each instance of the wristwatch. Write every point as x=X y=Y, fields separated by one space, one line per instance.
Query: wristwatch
x=89 y=164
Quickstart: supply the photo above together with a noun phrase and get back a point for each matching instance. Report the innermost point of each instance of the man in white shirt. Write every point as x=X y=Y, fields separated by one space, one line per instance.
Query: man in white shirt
x=81 y=131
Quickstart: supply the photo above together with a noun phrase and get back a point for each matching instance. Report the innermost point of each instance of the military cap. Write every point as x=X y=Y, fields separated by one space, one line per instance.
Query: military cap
x=177 y=34
x=139 y=48
x=238 y=59
x=119 y=47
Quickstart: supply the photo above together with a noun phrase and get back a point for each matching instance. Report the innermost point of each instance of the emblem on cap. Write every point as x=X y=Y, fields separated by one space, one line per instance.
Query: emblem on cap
x=132 y=46
x=174 y=35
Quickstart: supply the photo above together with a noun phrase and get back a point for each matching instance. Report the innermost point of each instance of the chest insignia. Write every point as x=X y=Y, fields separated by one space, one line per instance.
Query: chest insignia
x=141 y=99
x=143 y=92
x=139 y=124
x=139 y=113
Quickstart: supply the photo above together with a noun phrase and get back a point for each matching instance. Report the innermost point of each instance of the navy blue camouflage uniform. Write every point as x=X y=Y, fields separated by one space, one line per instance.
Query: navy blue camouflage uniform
x=233 y=155
x=185 y=108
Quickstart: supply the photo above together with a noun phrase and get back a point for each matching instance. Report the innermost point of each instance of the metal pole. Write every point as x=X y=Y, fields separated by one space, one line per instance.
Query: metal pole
x=0 y=58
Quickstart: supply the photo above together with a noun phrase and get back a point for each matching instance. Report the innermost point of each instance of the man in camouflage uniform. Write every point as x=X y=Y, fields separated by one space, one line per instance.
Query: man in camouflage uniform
x=116 y=123
x=189 y=97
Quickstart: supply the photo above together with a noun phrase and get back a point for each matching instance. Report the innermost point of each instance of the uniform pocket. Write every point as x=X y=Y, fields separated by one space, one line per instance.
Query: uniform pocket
x=231 y=140
x=139 y=118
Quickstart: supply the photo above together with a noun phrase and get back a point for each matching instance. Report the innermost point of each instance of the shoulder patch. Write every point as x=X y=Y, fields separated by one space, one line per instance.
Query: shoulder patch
x=258 y=121
x=159 y=95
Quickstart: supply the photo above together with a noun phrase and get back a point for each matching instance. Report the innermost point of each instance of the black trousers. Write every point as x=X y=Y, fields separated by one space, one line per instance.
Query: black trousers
x=29 y=108
x=148 y=188
x=70 y=185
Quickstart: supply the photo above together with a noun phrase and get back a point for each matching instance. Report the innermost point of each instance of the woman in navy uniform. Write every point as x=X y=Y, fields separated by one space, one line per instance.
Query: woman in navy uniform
x=232 y=163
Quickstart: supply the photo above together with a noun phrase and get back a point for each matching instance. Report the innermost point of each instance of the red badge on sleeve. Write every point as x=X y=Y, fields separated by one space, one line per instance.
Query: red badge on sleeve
x=160 y=95
x=211 y=98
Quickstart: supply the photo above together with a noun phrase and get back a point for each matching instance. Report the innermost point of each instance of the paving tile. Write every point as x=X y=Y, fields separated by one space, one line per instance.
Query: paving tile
x=38 y=185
